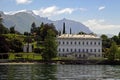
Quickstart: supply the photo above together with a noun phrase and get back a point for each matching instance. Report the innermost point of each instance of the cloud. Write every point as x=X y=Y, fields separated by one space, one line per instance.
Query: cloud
x=101 y=8
x=52 y=11
x=100 y=26
x=82 y=9
x=23 y=1
x=14 y=12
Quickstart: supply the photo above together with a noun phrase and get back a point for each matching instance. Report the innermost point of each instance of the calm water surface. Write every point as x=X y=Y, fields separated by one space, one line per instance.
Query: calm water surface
x=59 y=72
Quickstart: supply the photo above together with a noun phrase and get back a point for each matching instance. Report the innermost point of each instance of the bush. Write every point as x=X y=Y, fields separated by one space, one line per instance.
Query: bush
x=37 y=50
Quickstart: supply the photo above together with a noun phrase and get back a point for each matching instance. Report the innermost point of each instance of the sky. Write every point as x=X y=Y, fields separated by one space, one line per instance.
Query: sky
x=101 y=16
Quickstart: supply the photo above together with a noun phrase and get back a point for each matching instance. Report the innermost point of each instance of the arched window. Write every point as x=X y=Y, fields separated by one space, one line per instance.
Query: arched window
x=83 y=43
x=94 y=50
x=75 y=43
x=79 y=50
x=90 y=43
x=90 y=50
x=98 y=43
x=63 y=42
x=86 y=43
x=75 y=50
x=86 y=50
x=63 y=50
x=67 y=42
x=79 y=43
x=79 y=56
x=94 y=43
x=71 y=42
x=71 y=50
x=59 y=49
x=67 y=50
x=83 y=50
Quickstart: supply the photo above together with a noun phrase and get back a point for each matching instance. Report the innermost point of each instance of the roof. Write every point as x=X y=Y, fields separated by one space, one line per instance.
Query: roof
x=78 y=36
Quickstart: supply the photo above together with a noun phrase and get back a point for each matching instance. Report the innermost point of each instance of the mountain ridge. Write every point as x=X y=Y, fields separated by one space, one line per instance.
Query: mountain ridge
x=23 y=20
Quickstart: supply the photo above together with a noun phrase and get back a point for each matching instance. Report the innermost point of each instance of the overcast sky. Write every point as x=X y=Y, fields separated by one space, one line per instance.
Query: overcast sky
x=101 y=16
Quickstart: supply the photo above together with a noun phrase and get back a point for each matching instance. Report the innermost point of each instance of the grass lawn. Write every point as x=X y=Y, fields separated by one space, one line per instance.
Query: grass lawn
x=32 y=56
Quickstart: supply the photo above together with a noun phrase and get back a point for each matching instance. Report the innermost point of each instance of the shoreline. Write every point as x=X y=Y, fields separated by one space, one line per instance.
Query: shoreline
x=74 y=62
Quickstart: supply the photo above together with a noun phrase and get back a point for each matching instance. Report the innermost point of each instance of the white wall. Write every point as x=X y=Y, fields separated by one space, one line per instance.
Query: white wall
x=65 y=43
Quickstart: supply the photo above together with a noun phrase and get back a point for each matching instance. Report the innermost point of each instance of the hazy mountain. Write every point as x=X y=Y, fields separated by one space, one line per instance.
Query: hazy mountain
x=75 y=26
x=23 y=20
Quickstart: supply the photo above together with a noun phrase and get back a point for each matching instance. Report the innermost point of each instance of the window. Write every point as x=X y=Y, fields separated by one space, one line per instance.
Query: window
x=94 y=43
x=71 y=42
x=86 y=43
x=75 y=43
x=94 y=50
x=79 y=50
x=63 y=43
x=71 y=50
x=59 y=49
x=83 y=43
x=98 y=50
x=67 y=42
x=90 y=50
x=63 y=50
x=79 y=43
x=90 y=43
x=75 y=50
x=98 y=43
x=67 y=50
x=86 y=50
x=83 y=50
x=79 y=56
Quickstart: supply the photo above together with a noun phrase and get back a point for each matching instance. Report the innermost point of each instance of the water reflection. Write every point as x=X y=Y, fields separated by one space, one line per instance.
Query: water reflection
x=59 y=72
x=27 y=72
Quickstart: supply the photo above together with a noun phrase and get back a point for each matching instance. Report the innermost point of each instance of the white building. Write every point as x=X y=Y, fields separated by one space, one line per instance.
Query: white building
x=79 y=46
x=27 y=48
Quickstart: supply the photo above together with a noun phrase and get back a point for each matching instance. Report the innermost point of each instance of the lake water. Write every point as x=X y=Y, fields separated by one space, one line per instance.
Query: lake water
x=59 y=72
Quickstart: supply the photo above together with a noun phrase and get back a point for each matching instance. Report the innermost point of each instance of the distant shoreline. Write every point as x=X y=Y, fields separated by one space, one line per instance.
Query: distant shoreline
x=74 y=62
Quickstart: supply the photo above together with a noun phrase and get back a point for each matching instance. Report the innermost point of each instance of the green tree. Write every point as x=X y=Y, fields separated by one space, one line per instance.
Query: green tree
x=118 y=54
x=44 y=28
x=64 y=28
x=12 y=30
x=50 y=46
x=16 y=45
x=4 y=45
x=70 y=31
x=3 y=29
x=116 y=39
x=81 y=32
x=113 y=50
x=33 y=28
x=1 y=19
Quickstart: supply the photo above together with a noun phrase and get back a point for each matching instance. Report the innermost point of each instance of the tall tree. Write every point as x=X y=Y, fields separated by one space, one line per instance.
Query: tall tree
x=4 y=45
x=12 y=30
x=113 y=50
x=3 y=29
x=70 y=31
x=33 y=28
x=50 y=46
x=44 y=28
x=1 y=19
x=64 y=28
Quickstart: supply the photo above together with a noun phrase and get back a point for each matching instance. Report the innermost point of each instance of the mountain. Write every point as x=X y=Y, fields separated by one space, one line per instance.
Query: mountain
x=23 y=20
x=74 y=25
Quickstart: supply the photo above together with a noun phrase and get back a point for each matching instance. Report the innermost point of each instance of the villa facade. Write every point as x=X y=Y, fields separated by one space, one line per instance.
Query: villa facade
x=79 y=46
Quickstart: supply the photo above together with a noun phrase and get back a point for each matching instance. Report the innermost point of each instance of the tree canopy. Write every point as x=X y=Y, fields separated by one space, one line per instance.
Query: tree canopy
x=50 y=46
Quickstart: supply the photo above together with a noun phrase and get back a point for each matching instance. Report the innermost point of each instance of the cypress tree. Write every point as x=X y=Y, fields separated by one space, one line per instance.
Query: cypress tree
x=64 y=28
x=70 y=31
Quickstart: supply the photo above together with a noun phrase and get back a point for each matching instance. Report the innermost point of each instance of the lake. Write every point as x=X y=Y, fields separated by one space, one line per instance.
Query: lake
x=59 y=72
